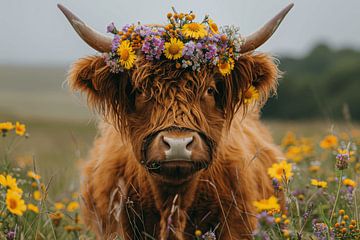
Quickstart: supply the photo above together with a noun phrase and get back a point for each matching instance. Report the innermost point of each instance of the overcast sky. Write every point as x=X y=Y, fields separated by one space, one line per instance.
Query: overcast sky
x=35 y=31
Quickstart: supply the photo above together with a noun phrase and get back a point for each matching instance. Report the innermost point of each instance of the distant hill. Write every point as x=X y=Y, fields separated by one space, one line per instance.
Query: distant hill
x=319 y=85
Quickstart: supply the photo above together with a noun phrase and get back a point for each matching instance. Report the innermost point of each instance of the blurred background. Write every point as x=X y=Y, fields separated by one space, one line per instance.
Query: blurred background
x=318 y=46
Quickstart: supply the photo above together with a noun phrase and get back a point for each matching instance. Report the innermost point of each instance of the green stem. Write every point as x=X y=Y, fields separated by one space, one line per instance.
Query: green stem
x=337 y=196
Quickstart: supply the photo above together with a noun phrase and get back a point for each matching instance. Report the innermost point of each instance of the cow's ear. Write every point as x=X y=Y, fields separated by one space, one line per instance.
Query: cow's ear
x=250 y=70
x=108 y=93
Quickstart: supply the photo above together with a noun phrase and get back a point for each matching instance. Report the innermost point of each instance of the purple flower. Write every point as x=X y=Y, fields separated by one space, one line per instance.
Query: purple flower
x=153 y=47
x=266 y=219
x=320 y=229
x=342 y=161
x=126 y=27
x=111 y=28
x=115 y=43
x=211 y=52
x=11 y=235
x=209 y=236
x=189 y=48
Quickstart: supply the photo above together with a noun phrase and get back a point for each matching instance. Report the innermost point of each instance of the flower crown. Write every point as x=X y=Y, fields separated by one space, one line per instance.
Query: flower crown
x=188 y=43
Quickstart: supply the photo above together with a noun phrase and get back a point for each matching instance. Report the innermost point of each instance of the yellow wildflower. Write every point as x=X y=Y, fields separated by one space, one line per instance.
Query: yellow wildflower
x=194 y=30
x=72 y=228
x=173 y=49
x=72 y=206
x=213 y=27
x=319 y=184
x=59 y=206
x=357 y=168
x=267 y=204
x=225 y=66
x=56 y=218
x=288 y=139
x=33 y=175
x=280 y=170
x=294 y=153
x=349 y=183
x=14 y=203
x=10 y=182
x=314 y=168
x=37 y=195
x=6 y=126
x=20 y=129
x=329 y=142
x=127 y=54
x=32 y=207
x=198 y=233
x=251 y=95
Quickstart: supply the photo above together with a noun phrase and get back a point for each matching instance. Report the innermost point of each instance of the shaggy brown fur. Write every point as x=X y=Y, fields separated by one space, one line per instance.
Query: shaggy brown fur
x=120 y=196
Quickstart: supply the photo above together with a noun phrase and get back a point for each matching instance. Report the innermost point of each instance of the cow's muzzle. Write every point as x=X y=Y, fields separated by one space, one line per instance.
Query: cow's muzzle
x=177 y=153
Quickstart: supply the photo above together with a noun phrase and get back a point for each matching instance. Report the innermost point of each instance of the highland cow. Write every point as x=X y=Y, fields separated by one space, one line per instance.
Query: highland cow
x=178 y=150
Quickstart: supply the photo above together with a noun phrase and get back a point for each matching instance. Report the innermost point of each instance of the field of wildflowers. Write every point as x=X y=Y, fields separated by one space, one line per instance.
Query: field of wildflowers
x=319 y=178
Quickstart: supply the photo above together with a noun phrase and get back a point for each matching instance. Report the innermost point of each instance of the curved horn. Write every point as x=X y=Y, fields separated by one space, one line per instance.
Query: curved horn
x=95 y=39
x=259 y=37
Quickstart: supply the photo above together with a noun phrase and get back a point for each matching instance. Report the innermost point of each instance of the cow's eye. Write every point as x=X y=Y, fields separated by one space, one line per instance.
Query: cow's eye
x=210 y=91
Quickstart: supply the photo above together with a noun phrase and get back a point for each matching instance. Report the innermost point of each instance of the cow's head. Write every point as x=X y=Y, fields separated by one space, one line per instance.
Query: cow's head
x=173 y=118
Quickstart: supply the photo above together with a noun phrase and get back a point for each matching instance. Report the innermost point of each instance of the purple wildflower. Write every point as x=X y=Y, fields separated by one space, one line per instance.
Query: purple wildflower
x=189 y=48
x=320 y=230
x=266 y=219
x=342 y=161
x=153 y=47
x=209 y=236
x=111 y=28
x=126 y=27
x=115 y=43
x=211 y=52
x=11 y=235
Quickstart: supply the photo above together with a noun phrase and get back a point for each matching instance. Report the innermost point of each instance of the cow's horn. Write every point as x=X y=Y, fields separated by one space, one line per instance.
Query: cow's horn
x=95 y=39
x=259 y=37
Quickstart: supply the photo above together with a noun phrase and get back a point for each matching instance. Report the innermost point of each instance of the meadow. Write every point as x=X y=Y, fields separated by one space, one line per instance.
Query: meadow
x=41 y=162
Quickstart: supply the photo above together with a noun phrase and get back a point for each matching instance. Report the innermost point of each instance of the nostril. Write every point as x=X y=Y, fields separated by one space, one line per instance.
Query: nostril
x=166 y=142
x=190 y=144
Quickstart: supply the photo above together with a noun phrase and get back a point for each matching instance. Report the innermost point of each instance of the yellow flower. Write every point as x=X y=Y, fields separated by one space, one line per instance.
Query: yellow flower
x=357 y=168
x=213 y=27
x=20 y=129
x=225 y=67
x=127 y=54
x=294 y=153
x=267 y=204
x=33 y=175
x=6 y=126
x=194 y=30
x=288 y=139
x=198 y=233
x=10 y=182
x=173 y=49
x=56 y=218
x=349 y=183
x=32 y=207
x=314 y=168
x=278 y=170
x=72 y=206
x=37 y=195
x=251 y=95
x=14 y=203
x=59 y=206
x=319 y=184
x=70 y=228
x=329 y=142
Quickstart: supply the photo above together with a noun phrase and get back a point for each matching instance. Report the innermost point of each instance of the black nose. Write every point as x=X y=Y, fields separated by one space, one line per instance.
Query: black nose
x=178 y=148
